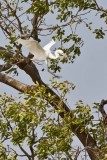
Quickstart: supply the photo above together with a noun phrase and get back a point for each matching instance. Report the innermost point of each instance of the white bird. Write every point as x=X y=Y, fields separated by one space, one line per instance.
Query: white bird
x=40 y=54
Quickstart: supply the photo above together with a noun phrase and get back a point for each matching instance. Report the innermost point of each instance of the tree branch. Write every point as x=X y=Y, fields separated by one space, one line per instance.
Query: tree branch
x=31 y=70
x=14 y=83
x=29 y=157
x=96 y=4
x=17 y=18
x=101 y=109
x=32 y=143
x=35 y=20
x=22 y=62
x=34 y=31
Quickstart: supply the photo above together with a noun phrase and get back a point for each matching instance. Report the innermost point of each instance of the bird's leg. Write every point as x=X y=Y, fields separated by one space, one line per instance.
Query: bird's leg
x=38 y=63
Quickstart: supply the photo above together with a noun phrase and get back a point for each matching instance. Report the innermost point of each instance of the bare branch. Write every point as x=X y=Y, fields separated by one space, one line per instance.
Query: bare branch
x=10 y=22
x=22 y=149
x=101 y=109
x=17 y=18
x=96 y=4
x=34 y=31
x=16 y=5
x=31 y=70
x=13 y=83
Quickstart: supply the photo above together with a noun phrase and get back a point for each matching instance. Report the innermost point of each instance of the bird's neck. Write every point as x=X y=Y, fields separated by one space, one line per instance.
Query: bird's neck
x=57 y=53
x=47 y=53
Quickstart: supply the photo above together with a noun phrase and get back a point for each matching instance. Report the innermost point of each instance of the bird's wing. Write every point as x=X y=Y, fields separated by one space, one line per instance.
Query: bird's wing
x=30 y=44
x=24 y=42
x=49 y=45
x=34 y=48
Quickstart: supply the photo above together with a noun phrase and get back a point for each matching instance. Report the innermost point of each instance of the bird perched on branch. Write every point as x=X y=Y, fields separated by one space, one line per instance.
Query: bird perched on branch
x=40 y=54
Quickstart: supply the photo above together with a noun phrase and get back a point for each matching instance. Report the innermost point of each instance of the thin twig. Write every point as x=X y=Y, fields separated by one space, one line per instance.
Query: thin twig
x=22 y=149
x=17 y=18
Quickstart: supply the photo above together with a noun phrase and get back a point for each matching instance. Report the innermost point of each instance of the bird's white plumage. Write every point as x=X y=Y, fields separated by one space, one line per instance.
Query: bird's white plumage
x=49 y=45
x=40 y=54
x=34 y=48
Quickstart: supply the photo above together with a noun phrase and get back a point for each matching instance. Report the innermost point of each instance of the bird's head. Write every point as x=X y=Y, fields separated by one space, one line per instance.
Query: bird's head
x=60 y=52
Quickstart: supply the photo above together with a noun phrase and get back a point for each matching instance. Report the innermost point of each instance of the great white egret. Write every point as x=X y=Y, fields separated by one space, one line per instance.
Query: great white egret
x=40 y=54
